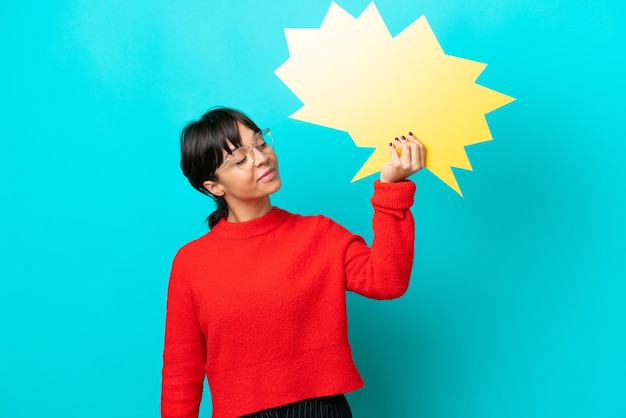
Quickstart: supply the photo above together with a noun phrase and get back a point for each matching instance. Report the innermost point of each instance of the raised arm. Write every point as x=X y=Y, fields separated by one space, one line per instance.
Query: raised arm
x=383 y=271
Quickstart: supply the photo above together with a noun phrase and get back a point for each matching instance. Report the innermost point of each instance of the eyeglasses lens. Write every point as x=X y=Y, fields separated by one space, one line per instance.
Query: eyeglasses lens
x=243 y=157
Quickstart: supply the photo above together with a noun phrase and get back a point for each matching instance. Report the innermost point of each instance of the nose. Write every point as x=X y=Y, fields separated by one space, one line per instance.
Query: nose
x=259 y=156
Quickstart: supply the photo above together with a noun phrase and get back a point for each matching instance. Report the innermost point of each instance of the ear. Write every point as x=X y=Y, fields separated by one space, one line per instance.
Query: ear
x=214 y=188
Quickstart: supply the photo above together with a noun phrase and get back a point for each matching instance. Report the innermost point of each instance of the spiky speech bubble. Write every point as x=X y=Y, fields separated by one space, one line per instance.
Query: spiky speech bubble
x=353 y=76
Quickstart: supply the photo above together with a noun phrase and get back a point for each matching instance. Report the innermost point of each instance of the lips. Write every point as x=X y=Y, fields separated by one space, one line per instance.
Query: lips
x=268 y=175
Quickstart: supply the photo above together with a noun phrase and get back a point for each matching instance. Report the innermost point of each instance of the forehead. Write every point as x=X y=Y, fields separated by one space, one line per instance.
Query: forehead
x=244 y=131
x=247 y=135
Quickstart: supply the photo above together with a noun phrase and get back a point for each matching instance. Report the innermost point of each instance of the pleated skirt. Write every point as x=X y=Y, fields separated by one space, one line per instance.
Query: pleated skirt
x=326 y=407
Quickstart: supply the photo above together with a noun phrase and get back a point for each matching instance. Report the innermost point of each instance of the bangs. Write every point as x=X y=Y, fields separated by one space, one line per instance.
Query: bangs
x=230 y=136
x=223 y=130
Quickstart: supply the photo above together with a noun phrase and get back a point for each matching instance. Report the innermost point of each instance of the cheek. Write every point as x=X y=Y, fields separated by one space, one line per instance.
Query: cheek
x=272 y=157
x=245 y=180
x=236 y=179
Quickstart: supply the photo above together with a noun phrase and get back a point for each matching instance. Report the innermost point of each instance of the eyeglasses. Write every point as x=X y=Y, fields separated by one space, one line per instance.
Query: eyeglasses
x=243 y=157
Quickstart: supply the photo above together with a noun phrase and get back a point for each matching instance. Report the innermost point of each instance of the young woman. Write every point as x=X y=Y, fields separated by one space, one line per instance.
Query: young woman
x=258 y=304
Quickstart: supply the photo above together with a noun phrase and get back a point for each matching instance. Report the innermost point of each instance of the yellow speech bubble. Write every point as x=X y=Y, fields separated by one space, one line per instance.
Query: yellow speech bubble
x=352 y=75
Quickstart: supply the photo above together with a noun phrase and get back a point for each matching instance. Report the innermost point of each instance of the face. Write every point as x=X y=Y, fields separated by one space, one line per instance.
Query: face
x=241 y=187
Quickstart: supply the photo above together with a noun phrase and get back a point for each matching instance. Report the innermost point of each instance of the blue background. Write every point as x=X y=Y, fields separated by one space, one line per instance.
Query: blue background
x=517 y=301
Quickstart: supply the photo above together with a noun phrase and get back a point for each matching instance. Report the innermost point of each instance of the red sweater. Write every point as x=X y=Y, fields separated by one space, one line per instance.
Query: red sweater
x=260 y=306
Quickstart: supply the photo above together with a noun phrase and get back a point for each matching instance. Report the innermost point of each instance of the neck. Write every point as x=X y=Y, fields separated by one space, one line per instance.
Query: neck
x=249 y=210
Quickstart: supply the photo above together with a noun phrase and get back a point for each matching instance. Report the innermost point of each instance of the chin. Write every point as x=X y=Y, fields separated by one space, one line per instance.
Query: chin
x=276 y=187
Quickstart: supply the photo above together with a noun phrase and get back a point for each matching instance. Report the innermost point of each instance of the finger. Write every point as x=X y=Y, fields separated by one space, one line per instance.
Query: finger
x=395 y=158
x=411 y=163
x=422 y=149
x=405 y=151
x=405 y=157
x=415 y=152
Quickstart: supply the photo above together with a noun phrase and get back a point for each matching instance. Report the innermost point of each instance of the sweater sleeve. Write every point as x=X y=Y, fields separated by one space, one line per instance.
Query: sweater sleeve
x=184 y=352
x=383 y=271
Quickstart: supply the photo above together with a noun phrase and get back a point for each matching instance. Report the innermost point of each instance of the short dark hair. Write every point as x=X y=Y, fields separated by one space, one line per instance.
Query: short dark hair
x=202 y=146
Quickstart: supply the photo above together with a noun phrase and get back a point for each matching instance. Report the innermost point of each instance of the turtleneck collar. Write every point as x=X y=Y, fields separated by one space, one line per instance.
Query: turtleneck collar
x=252 y=228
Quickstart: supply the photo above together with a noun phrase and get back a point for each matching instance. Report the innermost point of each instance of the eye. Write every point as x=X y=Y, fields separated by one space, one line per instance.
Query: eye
x=238 y=157
x=262 y=145
x=240 y=161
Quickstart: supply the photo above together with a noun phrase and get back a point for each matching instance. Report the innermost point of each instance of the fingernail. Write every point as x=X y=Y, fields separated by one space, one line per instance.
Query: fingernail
x=411 y=133
x=396 y=138
x=403 y=138
x=390 y=144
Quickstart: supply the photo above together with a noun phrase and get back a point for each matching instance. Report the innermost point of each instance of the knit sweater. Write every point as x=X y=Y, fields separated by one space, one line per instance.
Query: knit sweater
x=259 y=307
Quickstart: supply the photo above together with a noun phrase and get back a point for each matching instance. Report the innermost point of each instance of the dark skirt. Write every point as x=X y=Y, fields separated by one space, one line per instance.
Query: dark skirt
x=326 y=407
